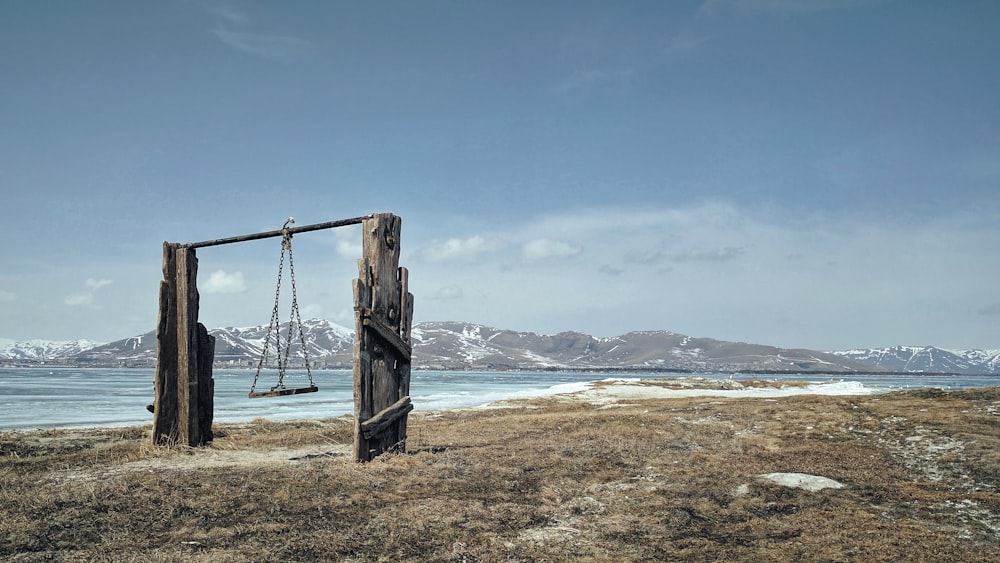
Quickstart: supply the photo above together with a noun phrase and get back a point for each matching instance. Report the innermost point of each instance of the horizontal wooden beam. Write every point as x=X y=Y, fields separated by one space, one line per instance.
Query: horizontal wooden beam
x=376 y=424
x=277 y=233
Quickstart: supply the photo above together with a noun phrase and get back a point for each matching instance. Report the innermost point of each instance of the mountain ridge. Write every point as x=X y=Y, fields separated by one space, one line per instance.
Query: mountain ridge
x=464 y=345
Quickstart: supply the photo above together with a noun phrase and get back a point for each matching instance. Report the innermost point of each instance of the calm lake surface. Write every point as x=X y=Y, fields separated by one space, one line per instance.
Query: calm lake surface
x=73 y=398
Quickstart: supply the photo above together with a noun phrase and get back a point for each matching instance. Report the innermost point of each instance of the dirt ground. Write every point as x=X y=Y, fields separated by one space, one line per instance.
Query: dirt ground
x=599 y=476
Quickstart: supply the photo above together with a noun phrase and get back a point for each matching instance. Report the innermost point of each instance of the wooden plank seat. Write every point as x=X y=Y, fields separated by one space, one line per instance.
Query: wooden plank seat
x=282 y=391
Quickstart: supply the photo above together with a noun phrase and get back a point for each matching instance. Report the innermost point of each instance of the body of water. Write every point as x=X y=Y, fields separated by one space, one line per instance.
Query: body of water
x=72 y=398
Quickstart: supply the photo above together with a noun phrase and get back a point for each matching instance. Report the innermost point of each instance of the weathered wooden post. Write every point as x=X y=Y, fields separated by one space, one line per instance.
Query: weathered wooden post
x=184 y=388
x=383 y=312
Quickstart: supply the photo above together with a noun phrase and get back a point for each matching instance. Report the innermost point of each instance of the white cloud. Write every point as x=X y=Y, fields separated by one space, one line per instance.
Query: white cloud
x=468 y=250
x=613 y=223
x=348 y=242
x=86 y=298
x=80 y=300
x=761 y=274
x=756 y=274
x=230 y=14
x=274 y=47
x=312 y=311
x=7 y=296
x=232 y=32
x=447 y=292
x=780 y=6
x=646 y=255
x=344 y=317
x=545 y=248
x=223 y=282
x=714 y=255
x=97 y=284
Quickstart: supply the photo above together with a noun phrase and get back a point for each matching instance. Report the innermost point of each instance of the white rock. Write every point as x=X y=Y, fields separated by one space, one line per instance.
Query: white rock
x=802 y=481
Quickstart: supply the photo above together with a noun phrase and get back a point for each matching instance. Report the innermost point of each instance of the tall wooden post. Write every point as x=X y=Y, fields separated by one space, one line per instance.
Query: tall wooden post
x=383 y=313
x=184 y=388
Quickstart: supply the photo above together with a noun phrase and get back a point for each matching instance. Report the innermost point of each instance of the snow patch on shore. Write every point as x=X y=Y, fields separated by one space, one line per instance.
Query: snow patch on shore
x=611 y=389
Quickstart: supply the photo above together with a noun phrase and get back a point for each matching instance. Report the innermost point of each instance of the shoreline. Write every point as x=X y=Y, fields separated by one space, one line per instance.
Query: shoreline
x=636 y=370
x=669 y=386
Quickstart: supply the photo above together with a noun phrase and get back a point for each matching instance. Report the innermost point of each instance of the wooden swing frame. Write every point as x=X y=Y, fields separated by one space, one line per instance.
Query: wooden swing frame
x=183 y=406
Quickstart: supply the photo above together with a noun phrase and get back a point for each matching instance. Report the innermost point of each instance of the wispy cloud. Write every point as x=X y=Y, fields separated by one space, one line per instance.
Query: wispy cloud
x=231 y=15
x=545 y=248
x=80 y=300
x=348 y=242
x=93 y=284
x=7 y=296
x=780 y=6
x=661 y=222
x=224 y=282
x=609 y=270
x=87 y=297
x=234 y=31
x=446 y=292
x=990 y=310
x=273 y=47
x=457 y=249
x=724 y=254
x=644 y=255
x=616 y=268
x=313 y=311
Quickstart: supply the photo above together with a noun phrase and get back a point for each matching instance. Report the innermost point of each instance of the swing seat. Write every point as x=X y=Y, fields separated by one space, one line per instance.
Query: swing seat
x=282 y=391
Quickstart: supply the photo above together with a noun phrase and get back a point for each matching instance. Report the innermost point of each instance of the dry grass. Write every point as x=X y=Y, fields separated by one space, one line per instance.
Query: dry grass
x=544 y=480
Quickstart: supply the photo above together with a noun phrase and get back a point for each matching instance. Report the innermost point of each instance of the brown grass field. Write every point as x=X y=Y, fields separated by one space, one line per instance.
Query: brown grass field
x=555 y=479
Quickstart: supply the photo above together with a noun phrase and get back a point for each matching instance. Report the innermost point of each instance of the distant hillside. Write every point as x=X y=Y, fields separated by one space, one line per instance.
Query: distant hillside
x=42 y=350
x=234 y=347
x=459 y=345
x=927 y=359
x=466 y=345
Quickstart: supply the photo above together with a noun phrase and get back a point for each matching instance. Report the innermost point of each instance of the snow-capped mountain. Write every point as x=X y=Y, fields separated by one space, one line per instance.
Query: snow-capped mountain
x=459 y=345
x=322 y=339
x=471 y=346
x=927 y=359
x=235 y=346
x=43 y=349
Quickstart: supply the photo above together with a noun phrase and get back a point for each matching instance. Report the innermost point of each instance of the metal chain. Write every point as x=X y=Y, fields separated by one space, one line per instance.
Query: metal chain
x=273 y=324
x=295 y=319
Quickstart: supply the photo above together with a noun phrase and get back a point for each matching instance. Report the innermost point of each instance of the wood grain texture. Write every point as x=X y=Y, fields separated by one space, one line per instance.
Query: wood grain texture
x=383 y=315
x=183 y=404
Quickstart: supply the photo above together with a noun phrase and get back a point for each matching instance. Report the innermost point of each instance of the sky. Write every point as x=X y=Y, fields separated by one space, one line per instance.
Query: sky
x=819 y=174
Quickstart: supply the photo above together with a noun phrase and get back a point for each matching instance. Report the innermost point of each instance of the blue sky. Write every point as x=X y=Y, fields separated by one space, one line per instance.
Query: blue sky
x=821 y=174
